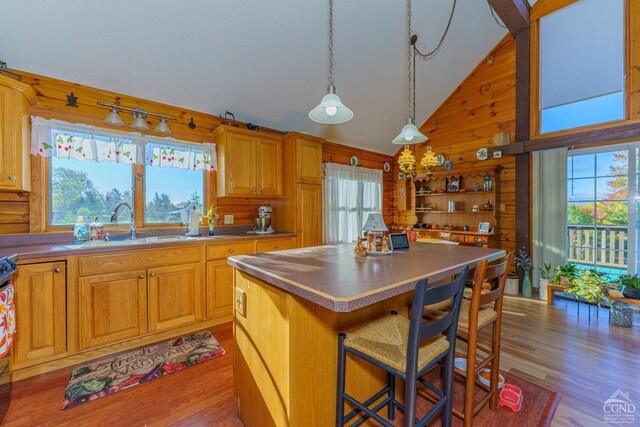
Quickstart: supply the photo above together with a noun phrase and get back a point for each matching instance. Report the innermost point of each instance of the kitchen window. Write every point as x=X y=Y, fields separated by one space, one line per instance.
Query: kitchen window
x=92 y=170
x=350 y=195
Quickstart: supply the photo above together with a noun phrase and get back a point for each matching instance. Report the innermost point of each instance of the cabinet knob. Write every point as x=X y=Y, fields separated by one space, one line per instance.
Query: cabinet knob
x=299 y=231
x=276 y=246
x=253 y=190
x=153 y=275
x=260 y=190
x=141 y=276
x=230 y=251
x=57 y=270
x=12 y=177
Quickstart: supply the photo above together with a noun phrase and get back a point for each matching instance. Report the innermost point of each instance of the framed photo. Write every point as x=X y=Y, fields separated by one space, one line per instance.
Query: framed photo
x=454 y=184
x=483 y=227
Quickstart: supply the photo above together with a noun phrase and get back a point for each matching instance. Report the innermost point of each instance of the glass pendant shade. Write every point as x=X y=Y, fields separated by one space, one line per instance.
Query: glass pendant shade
x=163 y=127
x=429 y=159
x=139 y=121
x=113 y=118
x=331 y=110
x=409 y=135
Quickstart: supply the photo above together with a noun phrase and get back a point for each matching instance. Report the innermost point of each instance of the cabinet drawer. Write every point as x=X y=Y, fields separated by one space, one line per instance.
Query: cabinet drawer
x=130 y=260
x=230 y=249
x=474 y=239
x=457 y=238
x=274 y=245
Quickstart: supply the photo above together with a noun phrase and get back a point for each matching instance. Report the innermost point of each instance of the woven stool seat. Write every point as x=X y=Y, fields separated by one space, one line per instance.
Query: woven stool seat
x=386 y=339
x=486 y=314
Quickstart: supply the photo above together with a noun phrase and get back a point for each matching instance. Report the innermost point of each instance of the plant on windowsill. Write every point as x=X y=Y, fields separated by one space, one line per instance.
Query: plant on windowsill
x=565 y=274
x=630 y=286
x=545 y=277
x=210 y=217
x=523 y=260
x=589 y=285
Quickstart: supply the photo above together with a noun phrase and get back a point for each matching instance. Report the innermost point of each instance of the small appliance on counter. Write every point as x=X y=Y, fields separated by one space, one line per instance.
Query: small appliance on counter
x=263 y=222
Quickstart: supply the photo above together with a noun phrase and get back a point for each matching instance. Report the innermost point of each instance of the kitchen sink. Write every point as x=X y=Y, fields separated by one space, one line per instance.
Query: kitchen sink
x=120 y=241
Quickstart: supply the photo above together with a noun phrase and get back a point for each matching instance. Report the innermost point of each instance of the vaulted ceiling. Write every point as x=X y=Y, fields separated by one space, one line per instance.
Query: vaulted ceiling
x=266 y=61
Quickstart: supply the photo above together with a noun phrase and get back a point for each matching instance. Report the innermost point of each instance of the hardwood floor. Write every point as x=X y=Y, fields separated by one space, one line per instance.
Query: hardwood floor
x=548 y=345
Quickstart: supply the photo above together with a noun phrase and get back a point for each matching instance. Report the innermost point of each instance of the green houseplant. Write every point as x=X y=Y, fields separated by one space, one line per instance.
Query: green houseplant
x=523 y=260
x=589 y=285
x=630 y=286
x=545 y=277
x=565 y=274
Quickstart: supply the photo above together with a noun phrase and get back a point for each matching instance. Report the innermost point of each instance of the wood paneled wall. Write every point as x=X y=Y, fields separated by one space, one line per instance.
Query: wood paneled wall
x=15 y=208
x=482 y=106
x=341 y=154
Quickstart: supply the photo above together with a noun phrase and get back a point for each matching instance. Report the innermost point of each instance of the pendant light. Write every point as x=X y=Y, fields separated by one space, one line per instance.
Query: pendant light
x=139 y=121
x=113 y=118
x=331 y=110
x=163 y=127
x=410 y=133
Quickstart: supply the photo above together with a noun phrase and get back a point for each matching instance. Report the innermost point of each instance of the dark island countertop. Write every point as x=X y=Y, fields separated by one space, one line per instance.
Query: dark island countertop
x=332 y=277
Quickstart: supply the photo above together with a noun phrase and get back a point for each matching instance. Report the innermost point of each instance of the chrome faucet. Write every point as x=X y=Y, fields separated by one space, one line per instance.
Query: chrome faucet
x=114 y=218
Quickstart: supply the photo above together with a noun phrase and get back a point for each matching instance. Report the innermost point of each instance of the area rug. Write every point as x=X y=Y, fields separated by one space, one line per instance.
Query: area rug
x=538 y=407
x=115 y=373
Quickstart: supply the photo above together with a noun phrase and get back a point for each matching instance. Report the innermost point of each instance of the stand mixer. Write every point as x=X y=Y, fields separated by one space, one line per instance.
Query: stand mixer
x=263 y=221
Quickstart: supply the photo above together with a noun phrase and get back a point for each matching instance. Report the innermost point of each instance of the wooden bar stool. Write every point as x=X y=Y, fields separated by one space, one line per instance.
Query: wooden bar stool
x=479 y=309
x=407 y=349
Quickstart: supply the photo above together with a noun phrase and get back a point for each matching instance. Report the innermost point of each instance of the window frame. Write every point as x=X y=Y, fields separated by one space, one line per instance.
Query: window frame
x=632 y=79
x=39 y=216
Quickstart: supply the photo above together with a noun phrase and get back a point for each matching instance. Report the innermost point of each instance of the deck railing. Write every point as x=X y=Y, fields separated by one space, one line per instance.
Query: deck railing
x=600 y=245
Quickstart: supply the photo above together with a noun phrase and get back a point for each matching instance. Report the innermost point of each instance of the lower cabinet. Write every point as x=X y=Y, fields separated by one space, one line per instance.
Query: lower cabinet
x=41 y=320
x=174 y=296
x=219 y=288
x=113 y=308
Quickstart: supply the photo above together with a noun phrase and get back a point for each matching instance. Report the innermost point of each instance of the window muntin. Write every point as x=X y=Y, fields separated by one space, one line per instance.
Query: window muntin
x=170 y=194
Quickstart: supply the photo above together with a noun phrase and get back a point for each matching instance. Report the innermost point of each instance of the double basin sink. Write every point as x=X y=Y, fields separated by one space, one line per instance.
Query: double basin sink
x=153 y=239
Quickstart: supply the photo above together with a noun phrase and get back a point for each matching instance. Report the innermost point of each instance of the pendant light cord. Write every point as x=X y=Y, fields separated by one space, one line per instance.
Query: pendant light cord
x=431 y=53
x=330 y=42
x=495 y=17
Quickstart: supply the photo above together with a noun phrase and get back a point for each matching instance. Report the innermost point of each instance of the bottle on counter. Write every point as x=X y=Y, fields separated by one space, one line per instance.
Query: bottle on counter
x=80 y=231
x=92 y=229
x=99 y=230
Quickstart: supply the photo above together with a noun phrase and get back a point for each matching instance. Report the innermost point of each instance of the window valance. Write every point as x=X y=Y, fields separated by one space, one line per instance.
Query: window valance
x=82 y=142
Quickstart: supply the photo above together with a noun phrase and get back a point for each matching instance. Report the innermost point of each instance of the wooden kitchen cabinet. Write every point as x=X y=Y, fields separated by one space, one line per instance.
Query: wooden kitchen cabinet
x=309 y=221
x=308 y=160
x=41 y=321
x=15 y=130
x=113 y=308
x=219 y=289
x=275 y=245
x=174 y=296
x=249 y=163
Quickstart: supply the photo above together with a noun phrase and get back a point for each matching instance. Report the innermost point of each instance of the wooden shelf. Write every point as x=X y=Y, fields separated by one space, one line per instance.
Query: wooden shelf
x=452 y=193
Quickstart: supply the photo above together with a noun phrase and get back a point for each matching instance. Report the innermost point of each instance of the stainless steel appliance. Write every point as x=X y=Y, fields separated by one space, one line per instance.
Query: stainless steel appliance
x=7 y=271
x=263 y=222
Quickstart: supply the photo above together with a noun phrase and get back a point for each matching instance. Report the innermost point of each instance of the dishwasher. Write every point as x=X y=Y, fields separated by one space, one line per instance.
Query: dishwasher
x=7 y=330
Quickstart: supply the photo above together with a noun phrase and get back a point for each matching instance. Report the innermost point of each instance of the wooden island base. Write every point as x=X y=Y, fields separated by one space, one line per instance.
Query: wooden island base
x=286 y=351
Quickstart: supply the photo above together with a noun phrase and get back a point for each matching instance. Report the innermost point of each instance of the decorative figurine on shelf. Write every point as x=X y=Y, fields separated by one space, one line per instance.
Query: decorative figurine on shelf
x=412 y=235
x=360 y=249
x=211 y=217
x=385 y=244
x=487 y=184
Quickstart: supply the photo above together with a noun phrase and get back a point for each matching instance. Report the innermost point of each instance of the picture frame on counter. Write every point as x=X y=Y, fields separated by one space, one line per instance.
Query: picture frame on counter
x=484 y=227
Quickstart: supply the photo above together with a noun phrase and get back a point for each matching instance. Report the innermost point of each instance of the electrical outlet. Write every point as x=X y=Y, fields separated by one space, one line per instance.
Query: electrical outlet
x=241 y=302
x=228 y=219
x=503 y=207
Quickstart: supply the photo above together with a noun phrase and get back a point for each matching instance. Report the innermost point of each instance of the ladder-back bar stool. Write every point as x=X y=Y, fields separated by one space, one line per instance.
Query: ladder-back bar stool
x=406 y=349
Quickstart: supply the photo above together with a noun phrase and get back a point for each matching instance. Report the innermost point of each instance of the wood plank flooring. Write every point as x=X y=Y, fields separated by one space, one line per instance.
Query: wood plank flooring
x=548 y=345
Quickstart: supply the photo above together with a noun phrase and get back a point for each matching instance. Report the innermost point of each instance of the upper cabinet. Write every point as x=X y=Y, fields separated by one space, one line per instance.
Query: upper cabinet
x=15 y=134
x=249 y=163
x=308 y=160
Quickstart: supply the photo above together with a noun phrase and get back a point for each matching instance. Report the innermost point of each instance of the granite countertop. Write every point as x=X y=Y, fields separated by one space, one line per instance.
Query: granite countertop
x=49 y=250
x=331 y=276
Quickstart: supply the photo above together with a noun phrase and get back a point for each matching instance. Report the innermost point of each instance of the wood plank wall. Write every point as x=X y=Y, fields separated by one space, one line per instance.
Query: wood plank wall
x=482 y=106
x=341 y=154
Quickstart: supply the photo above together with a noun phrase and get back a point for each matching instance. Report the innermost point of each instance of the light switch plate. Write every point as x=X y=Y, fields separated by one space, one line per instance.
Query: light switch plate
x=228 y=219
x=241 y=302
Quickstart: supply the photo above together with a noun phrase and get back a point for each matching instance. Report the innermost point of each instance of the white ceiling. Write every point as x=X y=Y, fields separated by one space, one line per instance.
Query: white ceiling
x=266 y=61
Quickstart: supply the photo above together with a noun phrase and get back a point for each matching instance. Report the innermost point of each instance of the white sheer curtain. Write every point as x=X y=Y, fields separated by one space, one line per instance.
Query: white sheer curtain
x=350 y=194
x=549 y=208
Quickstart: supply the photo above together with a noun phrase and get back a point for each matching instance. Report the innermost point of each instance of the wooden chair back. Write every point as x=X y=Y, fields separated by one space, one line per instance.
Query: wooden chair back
x=496 y=275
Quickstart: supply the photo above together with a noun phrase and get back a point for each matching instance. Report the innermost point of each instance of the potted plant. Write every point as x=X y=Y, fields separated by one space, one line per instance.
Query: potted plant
x=565 y=274
x=210 y=218
x=589 y=285
x=523 y=260
x=545 y=277
x=630 y=286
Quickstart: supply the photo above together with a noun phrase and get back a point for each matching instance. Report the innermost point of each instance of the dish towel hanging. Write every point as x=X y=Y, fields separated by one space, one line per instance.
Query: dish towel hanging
x=7 y=319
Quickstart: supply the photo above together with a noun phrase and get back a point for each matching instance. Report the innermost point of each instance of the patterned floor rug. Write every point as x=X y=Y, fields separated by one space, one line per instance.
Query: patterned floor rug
x=115 y=373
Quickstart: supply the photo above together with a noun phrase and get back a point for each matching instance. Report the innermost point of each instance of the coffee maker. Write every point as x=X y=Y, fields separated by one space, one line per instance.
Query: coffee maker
x=263 y=221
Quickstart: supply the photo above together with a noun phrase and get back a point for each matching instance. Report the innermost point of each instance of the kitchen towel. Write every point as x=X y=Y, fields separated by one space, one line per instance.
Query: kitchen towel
x=7 y=319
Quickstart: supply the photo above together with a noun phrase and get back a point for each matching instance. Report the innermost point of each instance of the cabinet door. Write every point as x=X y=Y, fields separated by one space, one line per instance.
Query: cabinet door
x=41 y=321
x=113 y=308
x=309 y=220
x=308 y=162
x=174 y=296
x=219 y=289
x=10 y=139
x=269 y=167
x=240 y=158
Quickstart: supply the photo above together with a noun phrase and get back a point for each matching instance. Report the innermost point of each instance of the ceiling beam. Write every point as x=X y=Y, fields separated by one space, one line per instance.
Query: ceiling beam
x=617 y=133
x=514 y=13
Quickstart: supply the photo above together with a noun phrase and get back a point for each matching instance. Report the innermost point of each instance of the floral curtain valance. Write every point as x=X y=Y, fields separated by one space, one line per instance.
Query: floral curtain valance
x=82 y=142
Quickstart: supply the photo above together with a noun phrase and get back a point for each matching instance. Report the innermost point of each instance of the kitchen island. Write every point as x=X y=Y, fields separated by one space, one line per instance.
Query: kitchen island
x=290 y=306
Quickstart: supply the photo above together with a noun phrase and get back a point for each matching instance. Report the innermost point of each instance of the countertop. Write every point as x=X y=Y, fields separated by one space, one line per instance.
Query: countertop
x=49 y=250
x=331 y=276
